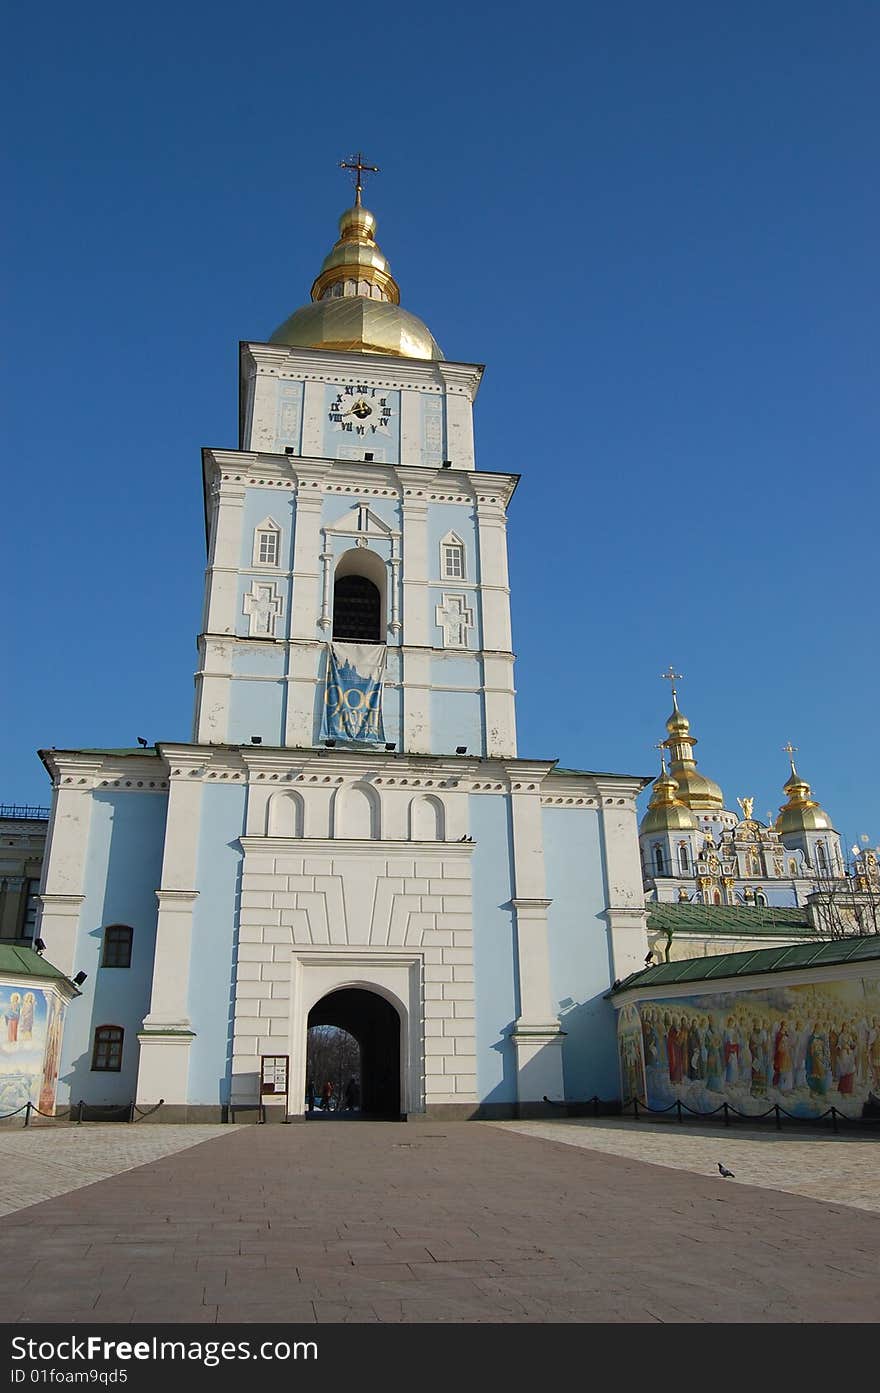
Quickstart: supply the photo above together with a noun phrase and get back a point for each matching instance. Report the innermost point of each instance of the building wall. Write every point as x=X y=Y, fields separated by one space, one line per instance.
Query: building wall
x=121 y=874
x=580 y=964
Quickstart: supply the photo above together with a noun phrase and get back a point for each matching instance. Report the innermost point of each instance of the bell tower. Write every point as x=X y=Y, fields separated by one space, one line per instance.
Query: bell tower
x=353 y=512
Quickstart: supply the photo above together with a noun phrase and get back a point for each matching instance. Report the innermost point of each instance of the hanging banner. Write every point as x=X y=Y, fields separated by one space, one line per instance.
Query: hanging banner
x=353 y=698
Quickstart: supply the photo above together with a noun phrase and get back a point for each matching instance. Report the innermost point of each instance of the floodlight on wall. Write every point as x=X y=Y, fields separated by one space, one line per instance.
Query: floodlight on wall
x=461 y=749
x=39 y=945
x=391 y=744
x=368 y=455
x=256 y=739
x=447 y=464
x=80 y=978
x=329 y=744
x=289 y=450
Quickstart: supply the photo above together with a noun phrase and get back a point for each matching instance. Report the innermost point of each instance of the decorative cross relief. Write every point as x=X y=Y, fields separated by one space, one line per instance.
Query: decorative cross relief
x=263 y=607
x=455 y=618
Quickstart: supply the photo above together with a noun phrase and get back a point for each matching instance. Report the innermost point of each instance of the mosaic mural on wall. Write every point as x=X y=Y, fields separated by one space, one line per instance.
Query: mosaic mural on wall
x=806 y=1047
x=31 y=1025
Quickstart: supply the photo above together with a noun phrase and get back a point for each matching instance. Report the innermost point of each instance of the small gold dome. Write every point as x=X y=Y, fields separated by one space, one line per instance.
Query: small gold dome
x=801 y=813
x=665 y=812
x=356 y=301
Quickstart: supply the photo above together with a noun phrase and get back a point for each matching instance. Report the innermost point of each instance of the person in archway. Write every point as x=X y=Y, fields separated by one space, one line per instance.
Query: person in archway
x=310 y=1095
x=352 y=1095
x=326 y=1096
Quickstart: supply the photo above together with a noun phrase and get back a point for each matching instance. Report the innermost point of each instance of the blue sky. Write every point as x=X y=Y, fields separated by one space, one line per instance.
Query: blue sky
x=656 y=225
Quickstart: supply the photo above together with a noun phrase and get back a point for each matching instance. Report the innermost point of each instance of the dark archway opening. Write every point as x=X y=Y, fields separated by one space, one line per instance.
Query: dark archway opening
x=357 y=609
x=375 y=1025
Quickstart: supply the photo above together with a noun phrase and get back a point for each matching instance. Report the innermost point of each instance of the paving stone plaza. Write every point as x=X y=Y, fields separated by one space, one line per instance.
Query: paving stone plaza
x=519 y=1222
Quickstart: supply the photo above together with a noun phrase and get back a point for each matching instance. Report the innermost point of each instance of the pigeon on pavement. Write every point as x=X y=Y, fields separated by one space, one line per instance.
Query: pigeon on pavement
x=725 y=1172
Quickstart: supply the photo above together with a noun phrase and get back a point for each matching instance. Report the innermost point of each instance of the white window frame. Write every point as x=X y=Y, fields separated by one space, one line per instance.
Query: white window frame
x=452 y=541
x=268 y=527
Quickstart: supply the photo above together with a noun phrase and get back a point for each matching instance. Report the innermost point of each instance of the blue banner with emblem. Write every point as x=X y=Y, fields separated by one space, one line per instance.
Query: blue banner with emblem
x=353 y=696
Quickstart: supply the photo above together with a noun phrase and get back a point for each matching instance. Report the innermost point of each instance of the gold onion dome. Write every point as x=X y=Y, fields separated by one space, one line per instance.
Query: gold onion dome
x=801 y=813
x=694 y=788
x=665 y=812
x=356 y=301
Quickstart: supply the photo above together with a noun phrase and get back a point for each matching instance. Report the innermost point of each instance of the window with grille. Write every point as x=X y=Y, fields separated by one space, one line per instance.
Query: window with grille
x=117 y=946
x=107 y=1054
x=357 y=607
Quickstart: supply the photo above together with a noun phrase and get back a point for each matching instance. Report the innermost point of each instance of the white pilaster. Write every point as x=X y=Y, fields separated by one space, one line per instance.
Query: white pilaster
x=537 y=1034
x=626 y=914
x=66 y=848
x=167 y=1030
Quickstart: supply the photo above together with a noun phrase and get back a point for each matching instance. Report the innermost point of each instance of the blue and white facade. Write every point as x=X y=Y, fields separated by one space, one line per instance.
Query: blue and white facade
x=490 y=899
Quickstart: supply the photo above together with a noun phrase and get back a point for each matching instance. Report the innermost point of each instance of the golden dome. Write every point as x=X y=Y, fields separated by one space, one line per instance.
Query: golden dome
x=801 y=813
x=665 y=812
x=356 y=301
x=357 y=325
x=694 y=788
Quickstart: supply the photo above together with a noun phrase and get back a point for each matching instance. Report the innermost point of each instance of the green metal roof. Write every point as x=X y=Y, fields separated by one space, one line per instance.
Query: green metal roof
x=756 y=962
x=25 y=962
x=738 y=919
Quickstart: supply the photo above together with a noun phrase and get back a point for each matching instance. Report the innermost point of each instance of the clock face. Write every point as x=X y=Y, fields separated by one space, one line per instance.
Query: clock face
x=363 y=412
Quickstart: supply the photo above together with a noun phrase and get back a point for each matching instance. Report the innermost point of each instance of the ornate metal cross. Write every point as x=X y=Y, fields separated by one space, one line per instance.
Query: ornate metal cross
x=673 y=677
x=356 y=164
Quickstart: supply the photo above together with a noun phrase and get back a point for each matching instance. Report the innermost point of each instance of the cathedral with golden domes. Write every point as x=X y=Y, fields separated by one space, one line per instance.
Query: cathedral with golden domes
x=695 y=850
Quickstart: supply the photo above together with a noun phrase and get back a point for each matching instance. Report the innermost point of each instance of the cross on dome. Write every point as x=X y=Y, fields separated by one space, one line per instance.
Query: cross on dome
x=356 y=164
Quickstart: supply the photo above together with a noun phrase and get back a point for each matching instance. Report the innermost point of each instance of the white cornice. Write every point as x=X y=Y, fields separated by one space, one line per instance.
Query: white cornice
x=234 y=469
x=374 y=369
x=335 y=846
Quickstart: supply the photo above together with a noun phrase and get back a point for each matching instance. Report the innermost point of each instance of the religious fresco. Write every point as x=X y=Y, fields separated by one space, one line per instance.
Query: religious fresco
x=807 y=1047
x=31 y=1025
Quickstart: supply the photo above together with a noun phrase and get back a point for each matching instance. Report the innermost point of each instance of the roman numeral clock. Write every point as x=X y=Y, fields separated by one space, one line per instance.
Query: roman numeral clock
x=361 y=418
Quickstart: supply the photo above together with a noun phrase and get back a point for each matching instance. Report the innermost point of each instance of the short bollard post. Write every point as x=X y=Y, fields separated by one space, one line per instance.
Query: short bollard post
x=79 y=1113
x=27 y=1113
x=636 y=1109
x=834 y=1117
x=131 y=1111
x=726 y=1116
x=778 y=1118
x=678 y=1108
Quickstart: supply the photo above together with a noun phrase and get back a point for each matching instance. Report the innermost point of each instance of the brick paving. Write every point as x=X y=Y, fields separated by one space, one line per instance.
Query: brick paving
x=420 y=1222
x=45 y=1160
x=843 y=1169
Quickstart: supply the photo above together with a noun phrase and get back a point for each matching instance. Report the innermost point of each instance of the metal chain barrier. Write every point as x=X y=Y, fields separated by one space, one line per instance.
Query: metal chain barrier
x=76 y=1113
x=607 y=1108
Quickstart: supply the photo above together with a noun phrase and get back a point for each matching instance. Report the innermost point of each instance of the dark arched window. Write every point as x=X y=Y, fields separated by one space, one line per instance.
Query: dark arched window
x=107 y=1054
x=658 y=860
x=117 y=946
x=357 y=607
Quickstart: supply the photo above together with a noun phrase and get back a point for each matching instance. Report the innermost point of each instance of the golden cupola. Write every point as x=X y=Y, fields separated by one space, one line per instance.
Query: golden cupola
x=801 y=813
x=694 y=789
x=356 y=300
x=666 y=812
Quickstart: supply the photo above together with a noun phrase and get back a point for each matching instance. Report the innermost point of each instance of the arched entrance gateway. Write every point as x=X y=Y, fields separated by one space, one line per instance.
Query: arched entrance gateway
x=376 y=1026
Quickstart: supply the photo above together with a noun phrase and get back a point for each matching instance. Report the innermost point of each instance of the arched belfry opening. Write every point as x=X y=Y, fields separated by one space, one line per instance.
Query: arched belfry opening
x=376 y=1026
x=359 y=590
x=356 y=610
